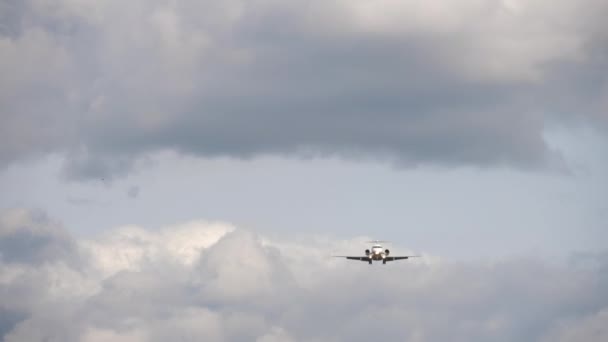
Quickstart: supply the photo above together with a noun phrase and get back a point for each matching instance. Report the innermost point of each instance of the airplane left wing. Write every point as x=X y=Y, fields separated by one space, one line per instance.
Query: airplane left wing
x=394 y=258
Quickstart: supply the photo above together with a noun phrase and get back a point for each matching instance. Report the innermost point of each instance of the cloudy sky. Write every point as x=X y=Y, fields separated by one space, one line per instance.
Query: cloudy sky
x=182 y=170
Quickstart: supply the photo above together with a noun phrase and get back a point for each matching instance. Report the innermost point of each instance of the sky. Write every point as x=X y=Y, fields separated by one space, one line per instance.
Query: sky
x=183 y=170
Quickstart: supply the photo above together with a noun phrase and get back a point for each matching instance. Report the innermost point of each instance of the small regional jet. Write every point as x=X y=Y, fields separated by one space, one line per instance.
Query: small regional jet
x=377 y=254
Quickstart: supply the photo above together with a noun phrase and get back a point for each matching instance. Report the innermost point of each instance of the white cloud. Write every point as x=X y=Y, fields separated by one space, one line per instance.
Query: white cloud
x=592 y=328
x=103 y=335
x=275 y=335
x=210 y=281
x=131 y=247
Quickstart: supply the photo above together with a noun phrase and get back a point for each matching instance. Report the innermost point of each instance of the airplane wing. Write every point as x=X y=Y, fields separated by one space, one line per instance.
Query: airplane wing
x=360 y=258
x=394 y=258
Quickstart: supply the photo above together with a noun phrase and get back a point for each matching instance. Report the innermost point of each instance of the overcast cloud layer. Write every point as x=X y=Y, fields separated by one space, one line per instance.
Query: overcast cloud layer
x=210 y=281
x=460 y=82
x=94 y=89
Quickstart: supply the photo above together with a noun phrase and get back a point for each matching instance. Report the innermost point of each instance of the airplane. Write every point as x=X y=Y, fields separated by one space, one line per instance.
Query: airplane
x=377 y=254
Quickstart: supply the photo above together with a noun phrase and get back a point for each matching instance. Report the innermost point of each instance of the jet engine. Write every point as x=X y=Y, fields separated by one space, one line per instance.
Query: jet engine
x=367 y=252
x=387 y=252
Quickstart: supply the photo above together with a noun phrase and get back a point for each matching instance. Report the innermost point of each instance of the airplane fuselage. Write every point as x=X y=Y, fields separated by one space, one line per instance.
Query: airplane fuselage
x=377 y=253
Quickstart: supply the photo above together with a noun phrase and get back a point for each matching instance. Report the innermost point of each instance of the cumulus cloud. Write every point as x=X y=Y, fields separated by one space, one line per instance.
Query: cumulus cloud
x=209 y=281
x=463 y=82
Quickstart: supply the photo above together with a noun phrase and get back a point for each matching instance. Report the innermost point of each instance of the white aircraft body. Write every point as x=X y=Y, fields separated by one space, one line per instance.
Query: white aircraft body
x=377 y=253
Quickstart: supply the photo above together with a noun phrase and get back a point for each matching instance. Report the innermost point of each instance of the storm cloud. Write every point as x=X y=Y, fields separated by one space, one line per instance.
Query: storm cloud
x=205 y=280
x=466 y=83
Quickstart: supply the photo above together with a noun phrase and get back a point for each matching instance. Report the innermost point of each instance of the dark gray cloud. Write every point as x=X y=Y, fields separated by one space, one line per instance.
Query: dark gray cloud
x=8 y=319
x=474 y=83
x=204 y=281
x=29 y=237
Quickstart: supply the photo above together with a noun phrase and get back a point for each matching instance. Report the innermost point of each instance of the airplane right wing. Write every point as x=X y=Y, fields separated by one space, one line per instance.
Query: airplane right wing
x=360 y=258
